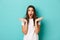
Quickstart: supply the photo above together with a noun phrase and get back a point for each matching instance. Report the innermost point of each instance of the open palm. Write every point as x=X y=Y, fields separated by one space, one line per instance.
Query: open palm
x=39 y=19
x=23 y=20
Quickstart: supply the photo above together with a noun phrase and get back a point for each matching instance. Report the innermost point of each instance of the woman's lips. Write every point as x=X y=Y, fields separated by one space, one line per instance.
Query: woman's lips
x=30 y=14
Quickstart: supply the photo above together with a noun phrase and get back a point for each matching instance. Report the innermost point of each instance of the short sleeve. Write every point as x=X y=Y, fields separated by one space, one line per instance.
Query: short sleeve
x=39 y=23
x=22 y=23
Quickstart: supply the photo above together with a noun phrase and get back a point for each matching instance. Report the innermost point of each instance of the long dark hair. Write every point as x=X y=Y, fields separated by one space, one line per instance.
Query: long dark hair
x=34 y=15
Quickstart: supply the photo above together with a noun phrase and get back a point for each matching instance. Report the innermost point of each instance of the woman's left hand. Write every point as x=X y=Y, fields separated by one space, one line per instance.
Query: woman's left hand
x=37 y=26
x=39 y=19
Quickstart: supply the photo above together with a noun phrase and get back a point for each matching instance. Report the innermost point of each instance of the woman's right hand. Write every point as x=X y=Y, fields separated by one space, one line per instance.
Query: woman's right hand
x=23 y=20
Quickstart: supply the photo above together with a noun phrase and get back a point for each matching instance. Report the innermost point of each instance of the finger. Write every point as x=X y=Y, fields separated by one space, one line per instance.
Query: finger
x=40 y=18
x=21 y=19
x=24 y=20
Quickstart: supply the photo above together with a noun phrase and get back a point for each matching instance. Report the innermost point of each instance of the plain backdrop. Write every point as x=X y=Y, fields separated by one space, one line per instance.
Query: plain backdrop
x=12 y=10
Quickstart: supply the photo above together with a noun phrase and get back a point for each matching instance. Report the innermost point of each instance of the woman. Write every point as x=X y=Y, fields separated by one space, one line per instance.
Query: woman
x=30 y=24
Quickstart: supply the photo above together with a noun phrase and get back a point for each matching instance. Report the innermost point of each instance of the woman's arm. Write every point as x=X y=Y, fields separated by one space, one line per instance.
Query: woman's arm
x=24 y=26
x=37 y=26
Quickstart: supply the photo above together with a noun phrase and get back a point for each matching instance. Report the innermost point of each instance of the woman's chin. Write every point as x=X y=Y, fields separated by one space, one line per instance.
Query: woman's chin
x=30 y=17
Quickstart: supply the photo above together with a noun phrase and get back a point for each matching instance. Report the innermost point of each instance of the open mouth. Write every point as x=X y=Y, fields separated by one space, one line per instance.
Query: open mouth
x=30 y=14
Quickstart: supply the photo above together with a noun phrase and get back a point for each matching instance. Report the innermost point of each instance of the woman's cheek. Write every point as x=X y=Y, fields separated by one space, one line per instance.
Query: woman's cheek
x=32 y=12
x=29 y=12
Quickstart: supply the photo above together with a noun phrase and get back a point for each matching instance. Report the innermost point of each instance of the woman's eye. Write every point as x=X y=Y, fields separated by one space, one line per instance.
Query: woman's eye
x=32 y=10
x=28 y=10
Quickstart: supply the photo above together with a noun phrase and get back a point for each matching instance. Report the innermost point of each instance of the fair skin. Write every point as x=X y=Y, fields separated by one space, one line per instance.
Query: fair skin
x=25 y=28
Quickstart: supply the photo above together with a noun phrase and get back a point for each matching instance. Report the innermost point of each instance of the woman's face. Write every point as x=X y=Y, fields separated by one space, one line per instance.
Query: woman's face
x=30 y=12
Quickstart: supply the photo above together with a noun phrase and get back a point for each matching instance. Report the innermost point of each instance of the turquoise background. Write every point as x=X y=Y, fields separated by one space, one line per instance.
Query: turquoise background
x=12 y=10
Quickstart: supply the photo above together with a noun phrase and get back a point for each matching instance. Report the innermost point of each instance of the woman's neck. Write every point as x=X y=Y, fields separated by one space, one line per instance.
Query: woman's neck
x=30 y=18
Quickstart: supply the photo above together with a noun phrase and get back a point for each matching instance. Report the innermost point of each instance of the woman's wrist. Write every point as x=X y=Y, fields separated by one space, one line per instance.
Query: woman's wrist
x=35 y=23
x=26 y=24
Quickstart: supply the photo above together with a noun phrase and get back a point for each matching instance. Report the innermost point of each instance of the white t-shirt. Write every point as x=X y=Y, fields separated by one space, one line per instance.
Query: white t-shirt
x=31 y=35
